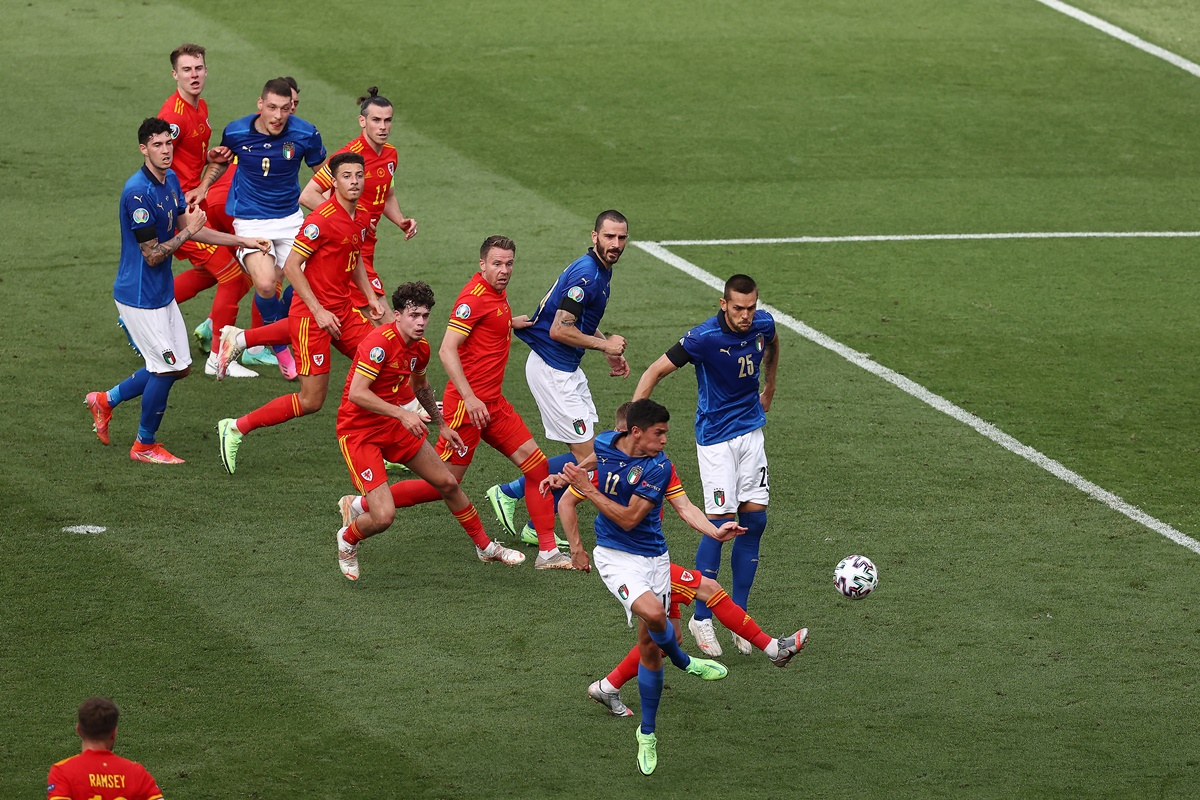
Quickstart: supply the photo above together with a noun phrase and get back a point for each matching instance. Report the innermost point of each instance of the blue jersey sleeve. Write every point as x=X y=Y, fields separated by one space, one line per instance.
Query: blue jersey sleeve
x=314 y=152
x=654 y=482
x=136 y=211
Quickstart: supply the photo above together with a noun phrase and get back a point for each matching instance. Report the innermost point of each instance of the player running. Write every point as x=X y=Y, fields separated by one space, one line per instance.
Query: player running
x=151 y=207
x=730 y=351
x=631 y=481
x=474 y=352
x=372 y=426
x=321 y=266
x=565 y=325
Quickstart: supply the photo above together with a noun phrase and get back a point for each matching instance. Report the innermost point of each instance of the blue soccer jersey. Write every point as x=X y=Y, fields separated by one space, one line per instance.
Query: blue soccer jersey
x=727 y=366
x=267 y=182
x=147 y=205
x=583 y=286
x=621 y=477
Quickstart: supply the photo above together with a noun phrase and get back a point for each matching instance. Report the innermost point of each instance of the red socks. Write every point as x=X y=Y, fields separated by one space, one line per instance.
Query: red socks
x=279 y=410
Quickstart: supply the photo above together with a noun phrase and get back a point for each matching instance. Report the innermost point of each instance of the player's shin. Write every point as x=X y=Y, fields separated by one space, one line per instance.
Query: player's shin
x=665 y=639
x=708 y=562
x=541 y=507
x=743 y=560
x=650 y=686
x=735 y=618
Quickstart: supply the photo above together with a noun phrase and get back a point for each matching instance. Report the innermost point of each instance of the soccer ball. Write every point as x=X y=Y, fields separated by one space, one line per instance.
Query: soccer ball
x=855 y=577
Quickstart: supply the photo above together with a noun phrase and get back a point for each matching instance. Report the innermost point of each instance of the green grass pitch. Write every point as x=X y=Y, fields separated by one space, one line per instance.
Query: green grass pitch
x=1025 y=640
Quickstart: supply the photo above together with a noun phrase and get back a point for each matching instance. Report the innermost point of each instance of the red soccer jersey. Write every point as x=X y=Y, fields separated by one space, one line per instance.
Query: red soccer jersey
x=483 y=315
x=100 y=775
x=389 y=364
x=378 y=172
x=330 y=241
x=191 y=132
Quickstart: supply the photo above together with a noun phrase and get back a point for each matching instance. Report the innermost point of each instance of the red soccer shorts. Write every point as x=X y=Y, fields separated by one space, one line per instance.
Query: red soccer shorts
x=684 y=585
x=506 y=432
x=213 y=259
x=310 y=344
x=214 y=207
x=364 y=452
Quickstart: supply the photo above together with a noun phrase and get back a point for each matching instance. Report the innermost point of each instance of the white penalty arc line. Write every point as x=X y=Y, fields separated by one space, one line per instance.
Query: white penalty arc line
x=936 y=401
x=1123 y=35
x=938 y=237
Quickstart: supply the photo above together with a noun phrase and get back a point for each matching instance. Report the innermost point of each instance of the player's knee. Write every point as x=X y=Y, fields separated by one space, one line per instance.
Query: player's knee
x=382 y=518
x=311 y=404
x=708 y=588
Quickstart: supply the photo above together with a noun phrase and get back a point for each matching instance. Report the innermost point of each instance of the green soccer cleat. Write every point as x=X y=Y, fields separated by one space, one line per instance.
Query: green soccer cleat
x=259 y=356
x=529 y=536
x=706 y=669
x=505 y=507
x=203 y=336
x=647 y=756
x=394 y=466
x=230 y=439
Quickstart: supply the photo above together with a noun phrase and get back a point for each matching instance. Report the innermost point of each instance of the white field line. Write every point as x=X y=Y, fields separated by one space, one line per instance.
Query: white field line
x=938 y=237
x=1124 y=35
x=938 y=402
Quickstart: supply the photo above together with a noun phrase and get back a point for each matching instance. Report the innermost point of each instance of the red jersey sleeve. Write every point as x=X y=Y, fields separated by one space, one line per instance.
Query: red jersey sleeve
x=324 y=177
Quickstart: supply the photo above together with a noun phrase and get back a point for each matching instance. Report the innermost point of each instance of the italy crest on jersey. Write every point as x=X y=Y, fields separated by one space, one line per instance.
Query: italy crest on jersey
x=635 y=474
x=289 y=150
x=758 y=342
x=719 y=497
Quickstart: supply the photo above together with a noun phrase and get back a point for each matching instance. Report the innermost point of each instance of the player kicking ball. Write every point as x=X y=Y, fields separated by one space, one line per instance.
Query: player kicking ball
x=371 y=426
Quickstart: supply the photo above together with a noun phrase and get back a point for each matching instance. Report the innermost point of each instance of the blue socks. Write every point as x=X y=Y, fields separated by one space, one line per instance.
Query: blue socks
x=666 y=642
x=271 y=308
x=708 y=561
x=131 y=387
x=154 y=403
x=650 y=685
x=744 y=558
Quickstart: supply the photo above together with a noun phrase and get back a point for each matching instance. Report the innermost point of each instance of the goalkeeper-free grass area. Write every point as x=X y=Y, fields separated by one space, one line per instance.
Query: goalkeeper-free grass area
x=1025 y=641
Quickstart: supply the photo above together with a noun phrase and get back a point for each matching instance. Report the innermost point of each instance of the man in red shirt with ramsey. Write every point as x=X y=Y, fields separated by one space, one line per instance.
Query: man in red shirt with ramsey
x=325 y=259
x=97 y=773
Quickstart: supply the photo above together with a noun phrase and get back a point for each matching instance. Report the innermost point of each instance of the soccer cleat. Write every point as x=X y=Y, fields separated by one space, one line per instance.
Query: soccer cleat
x=789 y=646
x=203 y=336
x=259 y=356
x=392 y=465
x=153 y=454
x=505 y=507
x=235 y=369
x=559 y=560
x=705 y=636
x=346 y=506
x=706 y=669
x=347 y=556
x=529 y=536
x=287 y=364
x=97 y=403
x=228 y=350
x=743 y=645
x=647 y=756
x=610 y=700
x=498 y=552
x=230 y=439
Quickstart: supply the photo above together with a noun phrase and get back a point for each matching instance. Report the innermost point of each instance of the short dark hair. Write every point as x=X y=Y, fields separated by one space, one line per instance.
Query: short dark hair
x=372 y=98
x=622 y=414
x=345 y=158
x=644 y=413
x=97 y=717
x=415 y=294
x=742 y=284
x=278 y=87
x=291 y=82
x=502 y=242
x=612 y=215
x=152 y=126
x=186 y=49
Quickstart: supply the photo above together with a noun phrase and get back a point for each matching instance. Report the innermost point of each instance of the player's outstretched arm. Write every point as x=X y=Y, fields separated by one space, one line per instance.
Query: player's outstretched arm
x=564 y=329
x=627 y=517
x=698 y=521
x=770 y=363
x=653 y=374
x=570 y=522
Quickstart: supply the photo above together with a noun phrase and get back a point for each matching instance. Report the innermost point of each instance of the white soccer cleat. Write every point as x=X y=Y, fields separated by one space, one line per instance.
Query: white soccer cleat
x=556 y=560
x=610 y=700
x=705 y=636
x=347 y=556
x=743 y=645
x=235 y=369
x=498 y=552
x=229 y=350
x=346 y=507
x=789 y=646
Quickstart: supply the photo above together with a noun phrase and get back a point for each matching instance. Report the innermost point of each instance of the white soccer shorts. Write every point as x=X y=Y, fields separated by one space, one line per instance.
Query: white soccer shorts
x=564 y=400
x=160 y=335
x=630 y=576
x=734 y=472
x=280 y=232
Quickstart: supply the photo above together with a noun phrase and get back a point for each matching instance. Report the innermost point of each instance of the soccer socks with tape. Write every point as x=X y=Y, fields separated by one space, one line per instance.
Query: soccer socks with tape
x=516 y=489
x=469 y=519
x=154 y=403
x=708 y=562
x=671 y=649
x=353 y=535
x=650 y=686
x=534 y=470
x=743 y=560
x=131 y=387
x=735 y=618
x=276 y=412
